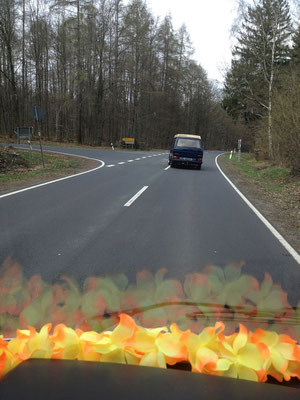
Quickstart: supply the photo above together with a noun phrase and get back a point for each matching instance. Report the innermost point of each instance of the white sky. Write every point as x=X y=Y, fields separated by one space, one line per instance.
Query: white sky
x=208 y=23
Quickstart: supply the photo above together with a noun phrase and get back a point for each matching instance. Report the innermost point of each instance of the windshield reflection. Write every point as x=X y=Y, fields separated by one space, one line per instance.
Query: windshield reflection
x=201 y=299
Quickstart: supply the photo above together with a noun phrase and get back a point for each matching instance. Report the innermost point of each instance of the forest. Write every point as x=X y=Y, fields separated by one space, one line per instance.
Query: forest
x=103 y=70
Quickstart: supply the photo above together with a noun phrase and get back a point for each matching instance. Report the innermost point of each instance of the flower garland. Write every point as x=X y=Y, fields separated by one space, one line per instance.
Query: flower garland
x=245 y=355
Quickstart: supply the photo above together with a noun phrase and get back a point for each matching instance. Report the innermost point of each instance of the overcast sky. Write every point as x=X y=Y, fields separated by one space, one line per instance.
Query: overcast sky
x=208 y=23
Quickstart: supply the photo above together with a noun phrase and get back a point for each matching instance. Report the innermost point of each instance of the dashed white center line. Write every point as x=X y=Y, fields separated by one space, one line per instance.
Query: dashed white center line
x=121 y=163
x=167 y=168
x=130 y=160
x=149 y=156
x=128 y=204
x=137 y=159
x=144 y=157
x=109 y=166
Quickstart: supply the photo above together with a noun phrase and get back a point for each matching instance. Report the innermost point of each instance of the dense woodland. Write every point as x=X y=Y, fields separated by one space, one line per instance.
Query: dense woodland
x=103 y=70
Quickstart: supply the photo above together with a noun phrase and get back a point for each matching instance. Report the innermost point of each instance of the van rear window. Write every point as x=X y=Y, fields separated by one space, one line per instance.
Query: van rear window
x=185 y=142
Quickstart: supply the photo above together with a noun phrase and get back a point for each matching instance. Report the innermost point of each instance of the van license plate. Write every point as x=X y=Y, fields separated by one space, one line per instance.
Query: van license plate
x=186 y=159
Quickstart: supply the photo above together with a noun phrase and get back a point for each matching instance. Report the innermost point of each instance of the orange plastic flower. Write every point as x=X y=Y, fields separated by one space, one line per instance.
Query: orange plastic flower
x=8 y=360
x=282 y=349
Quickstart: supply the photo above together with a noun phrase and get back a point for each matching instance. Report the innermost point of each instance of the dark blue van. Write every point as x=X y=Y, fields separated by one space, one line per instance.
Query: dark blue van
x=186 y=150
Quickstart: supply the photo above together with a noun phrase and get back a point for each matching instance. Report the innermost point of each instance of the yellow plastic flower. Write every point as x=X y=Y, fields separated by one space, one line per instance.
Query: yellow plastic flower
x=19 y=345
x=65 y=342
x=203 y=348
x=239 y=358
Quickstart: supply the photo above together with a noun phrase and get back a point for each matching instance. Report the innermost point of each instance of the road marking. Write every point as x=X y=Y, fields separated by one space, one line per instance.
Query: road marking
x=110 y=166
x=128 y=204
x=137 y=159
x=121 y=163
x=149 y=156
x=130 y=160
x=144 y=157
x=60 y=179
x=278 y=236
x=167 y=167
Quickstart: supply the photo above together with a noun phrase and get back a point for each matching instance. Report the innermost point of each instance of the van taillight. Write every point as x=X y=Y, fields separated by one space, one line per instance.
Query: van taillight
x=175 y=157
x=199 y=159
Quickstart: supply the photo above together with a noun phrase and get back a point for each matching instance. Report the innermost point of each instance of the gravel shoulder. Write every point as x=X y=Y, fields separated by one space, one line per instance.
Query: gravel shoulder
x=274 y=207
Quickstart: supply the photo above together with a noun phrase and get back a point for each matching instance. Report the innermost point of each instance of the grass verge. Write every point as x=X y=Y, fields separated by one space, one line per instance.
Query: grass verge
x=33 y=166
x=275 y=179
x=271 y=188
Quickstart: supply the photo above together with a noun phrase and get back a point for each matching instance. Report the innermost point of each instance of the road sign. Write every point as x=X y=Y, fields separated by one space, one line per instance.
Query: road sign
x=128 y=140
x=24 y=133
x=36 y=113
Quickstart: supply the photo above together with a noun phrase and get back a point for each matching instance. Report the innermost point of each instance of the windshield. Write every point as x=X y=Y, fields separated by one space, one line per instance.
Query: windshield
x=114 y=248
x=185 y=142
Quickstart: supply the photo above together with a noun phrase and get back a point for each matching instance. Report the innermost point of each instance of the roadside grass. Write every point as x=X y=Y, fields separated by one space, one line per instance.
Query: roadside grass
x=53 y=164
x=275 y=179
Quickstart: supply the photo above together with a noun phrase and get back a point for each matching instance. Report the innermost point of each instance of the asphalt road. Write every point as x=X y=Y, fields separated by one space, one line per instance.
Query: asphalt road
x=183 y=220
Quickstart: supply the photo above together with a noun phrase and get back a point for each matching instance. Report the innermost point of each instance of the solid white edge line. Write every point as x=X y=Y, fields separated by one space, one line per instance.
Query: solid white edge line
x=60 y=179
x=278 y=236
x=167 y=167
x=128 y=204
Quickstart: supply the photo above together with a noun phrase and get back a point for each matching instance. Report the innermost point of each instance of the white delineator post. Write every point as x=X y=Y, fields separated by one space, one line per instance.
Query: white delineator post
x=230 y=157
x=239 y=149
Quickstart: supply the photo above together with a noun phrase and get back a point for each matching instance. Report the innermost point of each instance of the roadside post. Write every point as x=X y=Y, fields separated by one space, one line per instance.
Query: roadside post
x=239 y=149
x=230 y=157
x=37 y=114
x=112 y=146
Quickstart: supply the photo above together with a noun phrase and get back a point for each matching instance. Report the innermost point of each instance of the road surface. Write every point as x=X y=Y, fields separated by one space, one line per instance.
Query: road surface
x=133 y=214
